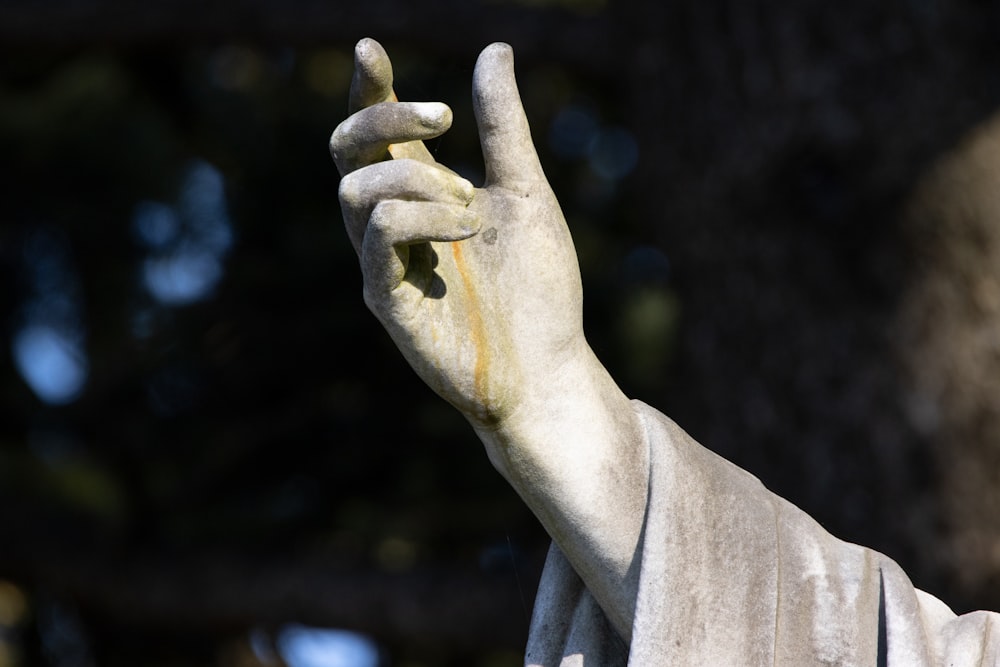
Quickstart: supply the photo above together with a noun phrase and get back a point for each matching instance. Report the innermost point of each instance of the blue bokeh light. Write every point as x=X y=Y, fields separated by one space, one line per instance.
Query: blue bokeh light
x=302 y=646
x=577 y=133
x=187 y=242
x=614 y=153
x=203 y=207
x=48 y=343
x=155 y=224
x=183 y=277
x=51 y=362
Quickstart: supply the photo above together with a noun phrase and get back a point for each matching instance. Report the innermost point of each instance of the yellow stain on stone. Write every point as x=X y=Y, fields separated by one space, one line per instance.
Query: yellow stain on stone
x=477 y=332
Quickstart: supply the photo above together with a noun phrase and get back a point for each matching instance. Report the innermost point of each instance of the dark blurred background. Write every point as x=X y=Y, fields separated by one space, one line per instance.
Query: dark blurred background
x=788 y=221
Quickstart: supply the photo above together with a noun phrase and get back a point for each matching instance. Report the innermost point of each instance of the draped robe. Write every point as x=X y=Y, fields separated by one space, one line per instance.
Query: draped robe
x=731 y=574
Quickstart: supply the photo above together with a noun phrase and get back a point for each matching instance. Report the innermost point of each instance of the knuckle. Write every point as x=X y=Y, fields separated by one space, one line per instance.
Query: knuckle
x=349 y=191
x=335 y=141
x=381 y=221
x=336 y=149
x=339 y=138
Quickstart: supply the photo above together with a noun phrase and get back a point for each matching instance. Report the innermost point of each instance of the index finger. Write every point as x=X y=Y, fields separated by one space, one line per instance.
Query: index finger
x=364 y=137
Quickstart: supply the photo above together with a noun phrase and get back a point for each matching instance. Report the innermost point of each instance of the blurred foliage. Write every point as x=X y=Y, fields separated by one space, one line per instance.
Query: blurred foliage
x=253 y=451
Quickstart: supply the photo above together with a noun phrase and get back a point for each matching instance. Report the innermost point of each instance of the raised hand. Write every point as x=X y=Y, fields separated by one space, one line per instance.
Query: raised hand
x=479 y=288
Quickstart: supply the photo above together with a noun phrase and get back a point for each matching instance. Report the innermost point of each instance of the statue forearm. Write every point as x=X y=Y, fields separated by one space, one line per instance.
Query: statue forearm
x=576 y=453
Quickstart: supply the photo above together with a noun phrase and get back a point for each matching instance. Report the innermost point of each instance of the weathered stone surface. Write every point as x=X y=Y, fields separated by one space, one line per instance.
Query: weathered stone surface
x=663 y=552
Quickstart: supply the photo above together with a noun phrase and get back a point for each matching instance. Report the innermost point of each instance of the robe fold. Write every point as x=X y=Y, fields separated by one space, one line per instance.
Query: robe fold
x=731 y=574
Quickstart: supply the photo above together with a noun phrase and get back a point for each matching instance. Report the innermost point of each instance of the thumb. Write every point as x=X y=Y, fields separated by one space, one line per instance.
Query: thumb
x=508 y=151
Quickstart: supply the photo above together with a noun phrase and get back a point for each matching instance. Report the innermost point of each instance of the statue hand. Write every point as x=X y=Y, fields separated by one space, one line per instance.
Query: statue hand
x=478 y=287
x=480 y=290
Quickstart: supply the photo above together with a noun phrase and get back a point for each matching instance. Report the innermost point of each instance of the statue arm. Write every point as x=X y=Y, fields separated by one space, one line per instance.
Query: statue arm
x=480 y=290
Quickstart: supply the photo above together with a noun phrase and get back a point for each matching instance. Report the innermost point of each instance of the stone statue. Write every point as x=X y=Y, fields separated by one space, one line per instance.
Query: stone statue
x=663 y=553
